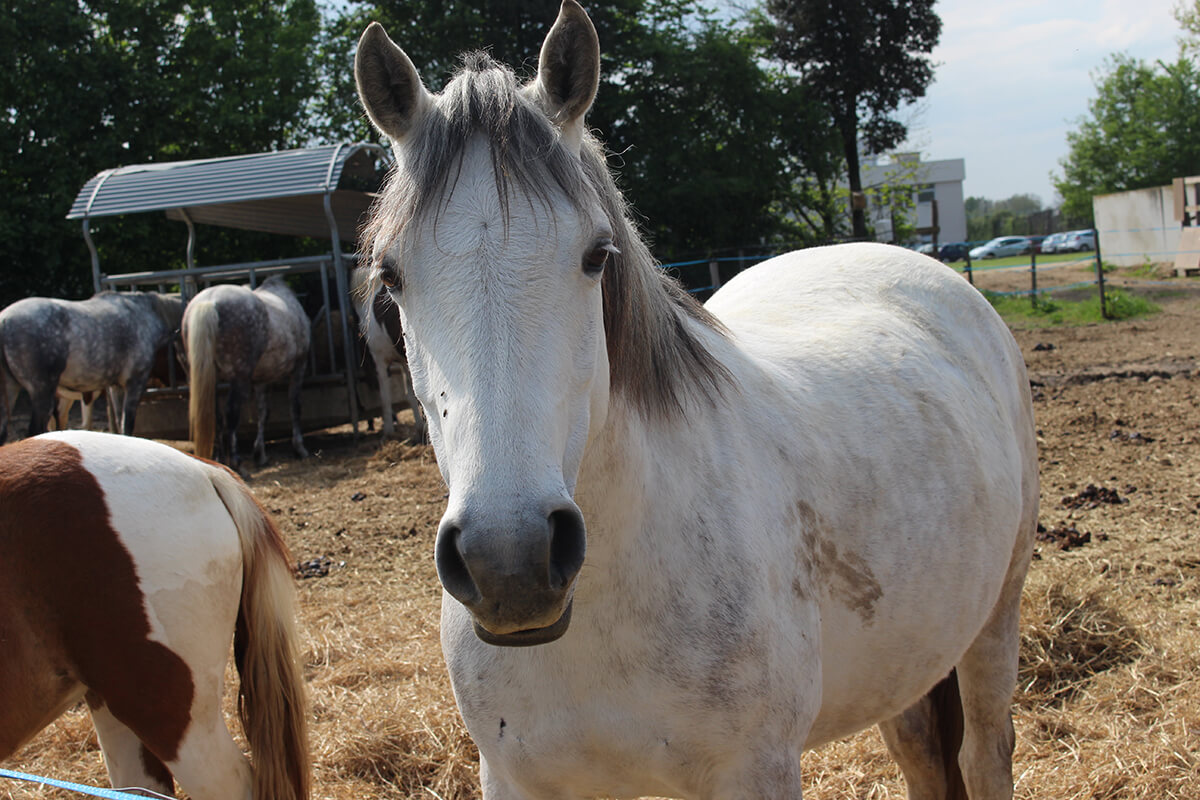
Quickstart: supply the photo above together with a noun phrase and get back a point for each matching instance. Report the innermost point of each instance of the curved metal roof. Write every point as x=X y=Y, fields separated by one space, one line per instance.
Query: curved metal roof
x=280 y=192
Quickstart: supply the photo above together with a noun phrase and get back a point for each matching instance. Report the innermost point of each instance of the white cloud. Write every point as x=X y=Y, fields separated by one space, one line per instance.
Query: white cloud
x=1013 y=77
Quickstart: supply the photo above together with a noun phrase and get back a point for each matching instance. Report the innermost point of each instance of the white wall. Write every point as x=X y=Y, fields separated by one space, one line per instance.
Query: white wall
x=1136 y=226
x=946 y=176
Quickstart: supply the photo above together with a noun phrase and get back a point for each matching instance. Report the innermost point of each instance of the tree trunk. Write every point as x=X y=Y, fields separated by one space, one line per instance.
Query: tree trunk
x=847 y=125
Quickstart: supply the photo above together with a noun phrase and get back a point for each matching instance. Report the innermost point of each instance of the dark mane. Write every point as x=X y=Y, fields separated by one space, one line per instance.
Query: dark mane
x=656 y=358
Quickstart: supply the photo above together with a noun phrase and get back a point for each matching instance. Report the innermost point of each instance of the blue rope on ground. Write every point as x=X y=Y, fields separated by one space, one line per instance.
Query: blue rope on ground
x=94 y=791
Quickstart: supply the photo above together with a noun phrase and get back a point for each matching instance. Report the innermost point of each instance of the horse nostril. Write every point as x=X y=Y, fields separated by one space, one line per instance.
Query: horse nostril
x=568 y=542
x=452 y=568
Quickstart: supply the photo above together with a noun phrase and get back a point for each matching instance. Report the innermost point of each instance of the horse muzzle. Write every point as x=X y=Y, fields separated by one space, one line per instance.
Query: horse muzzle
x=516 y=577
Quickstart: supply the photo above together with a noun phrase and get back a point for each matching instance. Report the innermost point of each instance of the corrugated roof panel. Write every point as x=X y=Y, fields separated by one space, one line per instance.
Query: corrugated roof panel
x=293 y=216
x=260 y=178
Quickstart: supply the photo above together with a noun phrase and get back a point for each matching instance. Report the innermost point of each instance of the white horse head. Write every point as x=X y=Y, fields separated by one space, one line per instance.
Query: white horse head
x=493 y=241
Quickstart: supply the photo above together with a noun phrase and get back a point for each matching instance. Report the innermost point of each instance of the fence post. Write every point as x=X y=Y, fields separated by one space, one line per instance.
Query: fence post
x=1100 y=275
x=970 y=275
x=1033 y=275
x=714 y=273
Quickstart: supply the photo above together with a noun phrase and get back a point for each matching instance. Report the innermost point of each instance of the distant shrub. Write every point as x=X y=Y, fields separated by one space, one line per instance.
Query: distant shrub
x=1048 y=311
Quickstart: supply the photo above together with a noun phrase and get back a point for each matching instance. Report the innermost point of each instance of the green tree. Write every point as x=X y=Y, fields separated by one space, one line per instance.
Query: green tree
x=1187 y=14
x=1013 y=216
x=90 y=85
x=862 y=59
x=709 y=144
x=1142 y=130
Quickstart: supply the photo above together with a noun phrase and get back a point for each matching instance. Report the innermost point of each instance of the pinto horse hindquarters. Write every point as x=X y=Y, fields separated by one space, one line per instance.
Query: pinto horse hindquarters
x=134 y=563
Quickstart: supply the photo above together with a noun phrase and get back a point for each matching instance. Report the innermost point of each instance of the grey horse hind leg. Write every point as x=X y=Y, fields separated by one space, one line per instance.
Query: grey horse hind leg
x=294 y=392
x=238 y=391
x=132 y=396
x=42 y=405
x=264 y=410
x=9 y=397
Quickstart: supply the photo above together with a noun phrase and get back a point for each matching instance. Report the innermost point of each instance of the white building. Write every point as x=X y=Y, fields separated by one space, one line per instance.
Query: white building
x=939 y=182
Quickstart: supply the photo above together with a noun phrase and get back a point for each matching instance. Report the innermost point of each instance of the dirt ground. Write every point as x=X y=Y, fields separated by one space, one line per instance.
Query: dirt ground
x=1109 y=701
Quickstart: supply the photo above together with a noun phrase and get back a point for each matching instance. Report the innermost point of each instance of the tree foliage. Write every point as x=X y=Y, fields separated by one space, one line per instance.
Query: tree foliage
x=1187 y=14
x=862 y=59
x=90 y=85
x=713 y=148
x=1142 y=130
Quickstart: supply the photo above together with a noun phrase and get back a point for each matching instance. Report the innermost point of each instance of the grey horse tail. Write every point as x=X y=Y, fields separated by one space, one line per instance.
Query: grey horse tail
x=200 y=339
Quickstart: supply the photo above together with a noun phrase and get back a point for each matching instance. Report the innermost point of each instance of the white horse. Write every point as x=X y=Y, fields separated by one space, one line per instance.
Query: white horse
x=384 y=338
x=809 y=506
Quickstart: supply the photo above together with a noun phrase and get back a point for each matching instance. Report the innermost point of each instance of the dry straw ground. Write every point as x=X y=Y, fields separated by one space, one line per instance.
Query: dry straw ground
x=1109 y=701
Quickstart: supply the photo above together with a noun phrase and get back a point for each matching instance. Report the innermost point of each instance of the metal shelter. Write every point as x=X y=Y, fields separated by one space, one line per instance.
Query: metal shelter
x=322 y=192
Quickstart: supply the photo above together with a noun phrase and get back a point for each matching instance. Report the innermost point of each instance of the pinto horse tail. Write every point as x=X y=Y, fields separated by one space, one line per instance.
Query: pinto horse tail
x=272 y=700
x=201 y=345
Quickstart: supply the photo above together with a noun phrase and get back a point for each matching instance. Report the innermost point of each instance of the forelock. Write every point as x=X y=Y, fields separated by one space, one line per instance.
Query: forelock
x=527 y=157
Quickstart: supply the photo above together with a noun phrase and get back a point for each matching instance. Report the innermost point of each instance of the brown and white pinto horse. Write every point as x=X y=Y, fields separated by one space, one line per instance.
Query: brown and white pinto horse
x=128 y=567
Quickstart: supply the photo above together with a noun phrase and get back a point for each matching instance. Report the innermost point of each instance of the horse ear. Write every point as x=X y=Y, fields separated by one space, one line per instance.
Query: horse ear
x=569 y=69
x=388 y=84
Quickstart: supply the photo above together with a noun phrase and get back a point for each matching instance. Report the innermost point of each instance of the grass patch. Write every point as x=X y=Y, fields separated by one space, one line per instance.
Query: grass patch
x=1022 y=261
x=1050 y=311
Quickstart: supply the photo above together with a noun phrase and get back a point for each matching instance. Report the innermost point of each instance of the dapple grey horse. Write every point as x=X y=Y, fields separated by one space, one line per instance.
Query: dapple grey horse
x=83 y=347
x=248 y=338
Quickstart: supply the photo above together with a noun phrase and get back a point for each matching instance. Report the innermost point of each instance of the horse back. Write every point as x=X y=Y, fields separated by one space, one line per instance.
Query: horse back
x=31 y=340
x=289 y=332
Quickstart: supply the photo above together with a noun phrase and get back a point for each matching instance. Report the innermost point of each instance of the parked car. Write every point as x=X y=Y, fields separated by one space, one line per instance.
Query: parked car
x=1053 y=242
x=1002 y=246
x=1077 y=241
x=926 y=248
x=1035 y=244
x=954 y=251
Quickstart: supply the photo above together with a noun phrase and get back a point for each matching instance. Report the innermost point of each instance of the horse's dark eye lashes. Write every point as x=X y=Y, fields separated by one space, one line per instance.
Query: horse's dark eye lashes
x=596 y=258
x=389 y=276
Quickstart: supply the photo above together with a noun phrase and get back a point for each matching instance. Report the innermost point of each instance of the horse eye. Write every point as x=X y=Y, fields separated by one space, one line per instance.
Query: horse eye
x=596 y=259
x=389 y=275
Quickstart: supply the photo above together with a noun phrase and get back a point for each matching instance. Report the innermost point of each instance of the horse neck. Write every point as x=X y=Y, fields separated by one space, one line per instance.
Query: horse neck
x=643 y=461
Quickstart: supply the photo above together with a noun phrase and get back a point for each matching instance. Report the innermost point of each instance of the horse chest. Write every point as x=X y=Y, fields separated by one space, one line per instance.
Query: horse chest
x=625 y=709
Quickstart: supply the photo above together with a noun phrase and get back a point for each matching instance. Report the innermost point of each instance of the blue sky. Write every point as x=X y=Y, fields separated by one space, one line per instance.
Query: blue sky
x=1014 y=76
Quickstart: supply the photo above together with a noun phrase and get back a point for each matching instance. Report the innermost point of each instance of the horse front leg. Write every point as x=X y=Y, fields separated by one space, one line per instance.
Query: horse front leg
x=295 y=389
x=115 y=417
x=385 y=400
x=86 y=410
x=62 y=411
